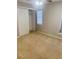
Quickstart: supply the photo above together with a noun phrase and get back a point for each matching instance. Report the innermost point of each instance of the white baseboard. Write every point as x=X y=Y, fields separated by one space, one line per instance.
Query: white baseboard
x=21 y=35
x=50 y=35
x=54 y=36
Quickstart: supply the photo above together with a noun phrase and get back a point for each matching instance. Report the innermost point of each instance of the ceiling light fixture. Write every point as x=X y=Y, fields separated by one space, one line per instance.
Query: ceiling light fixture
x=39 y=3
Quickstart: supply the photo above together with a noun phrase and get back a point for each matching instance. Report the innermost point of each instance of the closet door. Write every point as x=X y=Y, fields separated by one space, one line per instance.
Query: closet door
x=23 y=21
x=32 y=20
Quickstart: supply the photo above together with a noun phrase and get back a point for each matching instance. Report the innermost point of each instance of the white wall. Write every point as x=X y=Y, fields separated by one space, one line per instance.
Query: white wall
x=23 y=21
x=52 y=18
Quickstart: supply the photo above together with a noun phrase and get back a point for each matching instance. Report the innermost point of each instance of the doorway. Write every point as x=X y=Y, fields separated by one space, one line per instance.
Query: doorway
x=32 y=20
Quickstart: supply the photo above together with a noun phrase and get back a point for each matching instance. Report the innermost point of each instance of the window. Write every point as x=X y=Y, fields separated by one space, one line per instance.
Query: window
x=39 y=16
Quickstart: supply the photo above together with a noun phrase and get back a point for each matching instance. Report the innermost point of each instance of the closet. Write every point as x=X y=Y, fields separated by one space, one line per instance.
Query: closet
x=22 y=21
x=32 y=20
x=26 y=21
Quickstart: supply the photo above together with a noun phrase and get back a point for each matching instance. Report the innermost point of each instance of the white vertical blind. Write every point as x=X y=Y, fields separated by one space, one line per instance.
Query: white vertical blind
x=39 y=16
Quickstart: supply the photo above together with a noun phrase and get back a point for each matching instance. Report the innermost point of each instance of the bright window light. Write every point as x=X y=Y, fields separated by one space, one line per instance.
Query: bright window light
x=39 y=17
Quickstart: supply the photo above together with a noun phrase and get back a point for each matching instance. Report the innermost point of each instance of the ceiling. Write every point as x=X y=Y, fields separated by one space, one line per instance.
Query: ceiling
x=31 y=3
x=25 y=1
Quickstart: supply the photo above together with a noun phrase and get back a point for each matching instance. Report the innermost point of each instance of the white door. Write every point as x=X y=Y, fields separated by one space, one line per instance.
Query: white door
x=32 y=20
x=23 y=21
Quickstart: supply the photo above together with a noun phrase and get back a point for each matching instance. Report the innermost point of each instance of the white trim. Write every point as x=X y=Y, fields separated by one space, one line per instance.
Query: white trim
x=23 y=7
x=54 y=36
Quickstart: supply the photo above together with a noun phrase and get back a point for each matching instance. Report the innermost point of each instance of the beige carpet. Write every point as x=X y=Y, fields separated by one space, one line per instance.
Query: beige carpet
x=38 y=46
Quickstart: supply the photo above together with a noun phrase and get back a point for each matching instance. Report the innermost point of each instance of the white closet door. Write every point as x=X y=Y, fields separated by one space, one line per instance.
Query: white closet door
x=23 y=21
x=32 y=20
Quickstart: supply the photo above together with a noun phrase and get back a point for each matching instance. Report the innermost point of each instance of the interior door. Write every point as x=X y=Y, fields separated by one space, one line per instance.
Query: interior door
x=23 y=21
x=32 y=20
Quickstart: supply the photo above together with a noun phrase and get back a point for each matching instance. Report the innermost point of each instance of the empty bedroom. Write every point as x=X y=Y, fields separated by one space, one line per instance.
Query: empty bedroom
x=39 y=29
